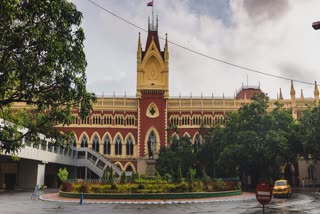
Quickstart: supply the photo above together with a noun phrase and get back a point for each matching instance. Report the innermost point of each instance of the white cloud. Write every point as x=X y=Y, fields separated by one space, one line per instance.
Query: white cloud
x=275 y=37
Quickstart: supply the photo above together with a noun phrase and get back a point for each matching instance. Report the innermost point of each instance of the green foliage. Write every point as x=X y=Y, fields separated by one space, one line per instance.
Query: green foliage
x=67 y=187
x=42 y=65
x=309 y=133
x=123 y=178
x=180 y=152
x=253 y=142
x=191 y=175
x=63 y=174
x=84 y=188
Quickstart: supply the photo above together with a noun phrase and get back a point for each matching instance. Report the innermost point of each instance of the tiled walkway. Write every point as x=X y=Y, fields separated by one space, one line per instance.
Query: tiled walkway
x=55 y=197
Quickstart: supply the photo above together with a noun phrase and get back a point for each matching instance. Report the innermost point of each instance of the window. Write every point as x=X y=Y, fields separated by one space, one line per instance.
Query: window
x=106 y=146
x=197 y=141
x=95 y=143
x=84 y=141
x=118 y=120
x=152 y=140
x=107 y=120
x=118 y=146
x=96 y=119
x=129 y=146
x=130 y=120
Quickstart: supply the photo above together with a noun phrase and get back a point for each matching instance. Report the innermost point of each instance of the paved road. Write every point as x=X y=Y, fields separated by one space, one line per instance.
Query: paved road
x=20 y=202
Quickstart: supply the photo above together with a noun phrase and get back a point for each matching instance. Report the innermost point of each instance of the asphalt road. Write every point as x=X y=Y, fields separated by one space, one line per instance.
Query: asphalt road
x=300 y=202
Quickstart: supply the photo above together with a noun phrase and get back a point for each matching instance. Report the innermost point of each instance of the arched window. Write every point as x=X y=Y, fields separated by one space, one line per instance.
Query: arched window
x=95 y=143
x=152 y=140
x=197 y=143
x=129 y=169
x=118 y=146
x=129 y=146
x=84 y=141
x=107 y=146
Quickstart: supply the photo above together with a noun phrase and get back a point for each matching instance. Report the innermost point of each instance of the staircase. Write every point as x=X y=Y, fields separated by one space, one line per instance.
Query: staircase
x=96 y=162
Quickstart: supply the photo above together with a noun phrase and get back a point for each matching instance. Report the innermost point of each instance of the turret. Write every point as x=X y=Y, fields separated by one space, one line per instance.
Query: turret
x=280 y=95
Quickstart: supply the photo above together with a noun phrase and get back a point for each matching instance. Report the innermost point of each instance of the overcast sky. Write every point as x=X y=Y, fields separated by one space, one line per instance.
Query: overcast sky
x=271 y=36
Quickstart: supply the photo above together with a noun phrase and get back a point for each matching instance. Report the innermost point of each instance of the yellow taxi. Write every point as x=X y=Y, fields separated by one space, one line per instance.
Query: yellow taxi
x=281 y=187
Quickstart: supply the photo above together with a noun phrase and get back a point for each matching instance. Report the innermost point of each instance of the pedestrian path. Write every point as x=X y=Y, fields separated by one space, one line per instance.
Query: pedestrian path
x=55 y=197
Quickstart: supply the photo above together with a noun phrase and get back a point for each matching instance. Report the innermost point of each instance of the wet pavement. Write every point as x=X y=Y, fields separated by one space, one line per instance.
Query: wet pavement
x=20 y=202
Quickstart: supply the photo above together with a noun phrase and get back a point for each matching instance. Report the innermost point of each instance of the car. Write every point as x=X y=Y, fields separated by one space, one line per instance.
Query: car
x=281 y=187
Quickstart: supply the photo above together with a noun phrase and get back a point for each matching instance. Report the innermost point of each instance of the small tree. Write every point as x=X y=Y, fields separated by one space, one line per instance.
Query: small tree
x=63 y=174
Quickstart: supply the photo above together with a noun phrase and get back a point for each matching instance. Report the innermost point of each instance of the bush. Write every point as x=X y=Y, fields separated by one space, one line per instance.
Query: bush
x=84 y=188
x=67 y=187
x=182 y=187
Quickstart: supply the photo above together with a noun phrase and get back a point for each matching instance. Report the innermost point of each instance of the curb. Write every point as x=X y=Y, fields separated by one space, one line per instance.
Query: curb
x=150 y=202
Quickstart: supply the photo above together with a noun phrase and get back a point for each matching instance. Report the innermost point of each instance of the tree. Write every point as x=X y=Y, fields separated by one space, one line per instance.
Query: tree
x=179 y=153
x=210 y=150
x=63 y=174
x=256 y=142
x=310 y=133
x=42 y=66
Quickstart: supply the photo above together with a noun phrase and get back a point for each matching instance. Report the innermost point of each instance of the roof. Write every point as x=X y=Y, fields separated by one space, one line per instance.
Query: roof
x=248 y=92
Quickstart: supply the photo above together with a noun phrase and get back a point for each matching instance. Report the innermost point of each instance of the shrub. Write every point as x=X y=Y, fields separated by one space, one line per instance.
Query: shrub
x=141 y=186
x=182 y=187
x=67 y=187
x=63 y=174
x=84 y=188
x=96 y=188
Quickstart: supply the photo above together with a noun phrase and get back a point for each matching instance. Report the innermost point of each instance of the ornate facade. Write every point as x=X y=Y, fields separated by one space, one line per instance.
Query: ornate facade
x=130 y=131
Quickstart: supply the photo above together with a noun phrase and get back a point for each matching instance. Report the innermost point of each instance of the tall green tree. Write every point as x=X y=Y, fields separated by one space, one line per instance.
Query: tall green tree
x=42 y=64
x=256 y=142
x=310 y=132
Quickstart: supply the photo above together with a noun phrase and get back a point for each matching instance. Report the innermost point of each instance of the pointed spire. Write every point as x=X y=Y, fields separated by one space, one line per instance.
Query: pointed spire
x=316 y=91
x=166 y=51
x=292 y=91
x=302 y=97
x=139 y=51
x=280 y=95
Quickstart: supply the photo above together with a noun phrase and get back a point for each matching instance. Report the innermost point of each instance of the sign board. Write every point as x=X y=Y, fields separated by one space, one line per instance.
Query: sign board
x=263 y=193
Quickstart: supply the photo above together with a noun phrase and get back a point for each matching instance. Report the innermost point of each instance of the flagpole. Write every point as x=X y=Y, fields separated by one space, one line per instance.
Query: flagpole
x=152 y=15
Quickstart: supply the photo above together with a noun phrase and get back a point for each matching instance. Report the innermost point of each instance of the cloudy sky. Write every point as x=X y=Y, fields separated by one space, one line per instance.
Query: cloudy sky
x=273 y=37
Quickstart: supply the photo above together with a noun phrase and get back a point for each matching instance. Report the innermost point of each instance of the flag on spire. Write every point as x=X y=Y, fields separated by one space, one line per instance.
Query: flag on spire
x=150 y=3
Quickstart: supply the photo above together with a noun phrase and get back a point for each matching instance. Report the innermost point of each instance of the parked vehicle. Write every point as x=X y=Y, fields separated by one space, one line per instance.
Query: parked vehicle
x=281 y=187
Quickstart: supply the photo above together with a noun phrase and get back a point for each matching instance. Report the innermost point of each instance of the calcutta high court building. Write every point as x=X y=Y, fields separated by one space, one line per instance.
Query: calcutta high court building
x=130 y=131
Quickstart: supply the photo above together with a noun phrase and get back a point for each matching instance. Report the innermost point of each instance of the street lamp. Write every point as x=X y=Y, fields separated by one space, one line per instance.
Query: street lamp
x=316 y=25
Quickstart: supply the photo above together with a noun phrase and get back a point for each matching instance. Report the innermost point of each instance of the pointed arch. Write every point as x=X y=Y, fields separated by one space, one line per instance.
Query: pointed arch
x=95 y=142
x=119 y=165
x=118 y=140
x=107 y=141
x=84 y=140
x=186 y=134
x=129 y=141
x=128 y=166
x=152 y=110
x=196 y=141
x=152 y=142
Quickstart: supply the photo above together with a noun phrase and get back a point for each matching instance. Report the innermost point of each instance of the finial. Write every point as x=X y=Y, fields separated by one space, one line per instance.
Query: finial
x=292 y=91
x=316 y=91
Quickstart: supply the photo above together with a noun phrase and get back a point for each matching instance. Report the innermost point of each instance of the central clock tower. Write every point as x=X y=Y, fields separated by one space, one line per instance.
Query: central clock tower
x=152 y=94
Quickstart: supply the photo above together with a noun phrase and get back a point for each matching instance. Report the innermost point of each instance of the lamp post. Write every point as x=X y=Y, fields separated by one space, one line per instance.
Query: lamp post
x=316 y=25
